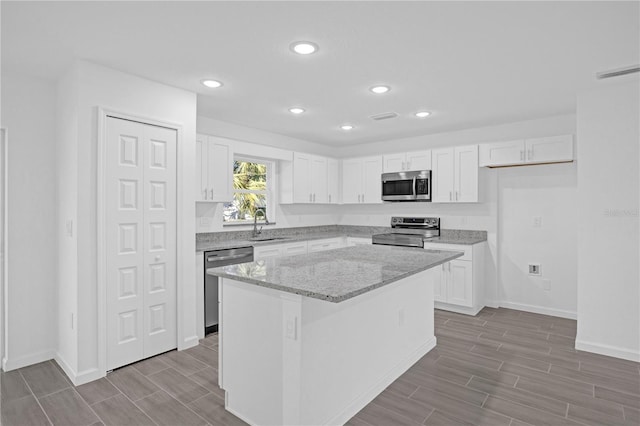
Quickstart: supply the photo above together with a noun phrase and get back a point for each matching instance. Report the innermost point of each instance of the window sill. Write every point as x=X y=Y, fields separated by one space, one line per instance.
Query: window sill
x=248 y=223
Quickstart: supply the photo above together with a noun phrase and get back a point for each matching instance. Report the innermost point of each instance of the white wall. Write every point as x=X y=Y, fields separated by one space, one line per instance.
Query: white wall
x=28 y=115
x=608 y=202
x=550 y=193
x=99 y=86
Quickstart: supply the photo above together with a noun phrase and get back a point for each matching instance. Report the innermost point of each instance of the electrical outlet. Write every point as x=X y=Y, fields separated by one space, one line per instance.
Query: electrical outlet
x=534 y=269
x=537 y=221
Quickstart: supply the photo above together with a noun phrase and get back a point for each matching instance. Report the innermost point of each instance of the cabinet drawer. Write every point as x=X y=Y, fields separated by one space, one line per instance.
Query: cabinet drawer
x=466 y=249
x=322 y=245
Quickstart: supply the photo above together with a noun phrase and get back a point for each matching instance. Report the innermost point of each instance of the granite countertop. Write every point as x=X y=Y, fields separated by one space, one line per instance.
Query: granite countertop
x=336 y=275
x=234 y=239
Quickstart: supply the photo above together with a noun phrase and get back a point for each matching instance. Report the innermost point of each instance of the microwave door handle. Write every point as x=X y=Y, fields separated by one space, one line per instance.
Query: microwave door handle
x=415 y=190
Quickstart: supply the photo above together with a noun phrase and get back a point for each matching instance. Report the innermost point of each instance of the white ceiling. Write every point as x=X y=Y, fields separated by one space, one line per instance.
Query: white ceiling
x=471 y=63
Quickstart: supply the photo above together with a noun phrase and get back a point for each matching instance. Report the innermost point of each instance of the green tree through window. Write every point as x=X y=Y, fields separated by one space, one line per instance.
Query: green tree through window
x=249 y=191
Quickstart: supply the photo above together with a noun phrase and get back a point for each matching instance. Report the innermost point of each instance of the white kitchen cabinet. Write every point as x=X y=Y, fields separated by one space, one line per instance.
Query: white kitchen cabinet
x=553 y=149
x=404 y=161
x=361 y=180
x=455 y=175
x=358 y=241
x=459 y=284
x=214 y=169
x=280 y=249
x=333 y=181
x=325 y=244
x=306 y=180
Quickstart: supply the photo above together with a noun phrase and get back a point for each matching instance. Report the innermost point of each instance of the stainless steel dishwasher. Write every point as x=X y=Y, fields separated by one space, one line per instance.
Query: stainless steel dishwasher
x=213 y=259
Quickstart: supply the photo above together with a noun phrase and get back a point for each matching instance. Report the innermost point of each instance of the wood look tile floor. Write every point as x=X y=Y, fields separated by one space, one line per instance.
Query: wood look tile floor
x=501 y=367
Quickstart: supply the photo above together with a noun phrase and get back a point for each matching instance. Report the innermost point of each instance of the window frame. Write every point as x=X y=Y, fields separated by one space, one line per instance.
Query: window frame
x=270 y=192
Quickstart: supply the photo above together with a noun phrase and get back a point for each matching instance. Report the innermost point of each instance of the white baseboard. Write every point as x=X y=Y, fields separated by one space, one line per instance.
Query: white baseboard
x=82 y=377
x=9 y=364
x=540 y=310
x=608 y=350
x=360 y=402
x=189 y=342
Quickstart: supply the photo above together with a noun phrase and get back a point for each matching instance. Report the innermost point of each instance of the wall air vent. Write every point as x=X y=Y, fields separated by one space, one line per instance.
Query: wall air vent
x=384 y=116
x=618 y=72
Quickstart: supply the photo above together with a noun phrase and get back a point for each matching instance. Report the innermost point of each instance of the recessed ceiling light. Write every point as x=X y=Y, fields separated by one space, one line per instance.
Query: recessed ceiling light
x=296 y=110
x=211 y=83
x=380 y=89
x=346 y=127
x=303 y=47
x=422 y=114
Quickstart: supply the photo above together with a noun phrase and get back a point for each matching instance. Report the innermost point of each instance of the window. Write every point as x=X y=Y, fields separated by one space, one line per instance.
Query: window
x=251 y=191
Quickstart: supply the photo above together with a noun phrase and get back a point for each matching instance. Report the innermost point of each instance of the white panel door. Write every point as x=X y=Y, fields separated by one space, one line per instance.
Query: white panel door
x=160 y=222
x=442 y=175
x=202 y=168
x=371 y=183
x=333 y=181
x=140 y=203
x=466 y=174
x=352 y=181
x=319 y=179
x=418 y=160
x=302 y=178
x=501 y=153
x=393 y=163
x=460 y=290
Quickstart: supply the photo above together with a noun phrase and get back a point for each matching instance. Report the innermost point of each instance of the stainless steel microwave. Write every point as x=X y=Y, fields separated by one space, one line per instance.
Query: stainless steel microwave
x=407 y=186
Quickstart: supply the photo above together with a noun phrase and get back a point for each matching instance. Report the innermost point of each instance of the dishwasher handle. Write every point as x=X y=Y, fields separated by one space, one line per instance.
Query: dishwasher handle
x=211 y=259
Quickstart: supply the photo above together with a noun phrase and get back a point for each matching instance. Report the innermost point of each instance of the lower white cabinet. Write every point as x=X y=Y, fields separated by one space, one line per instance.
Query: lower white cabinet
x=298 y=247
x=459 y=285
x=327 y=244
x=358 y=241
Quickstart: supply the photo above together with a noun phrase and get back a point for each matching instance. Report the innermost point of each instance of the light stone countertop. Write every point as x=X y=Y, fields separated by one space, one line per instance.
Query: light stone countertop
x=336 y=275
x=290 y=235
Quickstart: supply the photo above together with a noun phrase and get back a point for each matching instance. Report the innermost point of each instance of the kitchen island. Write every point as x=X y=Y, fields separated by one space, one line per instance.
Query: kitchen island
x=311 y=339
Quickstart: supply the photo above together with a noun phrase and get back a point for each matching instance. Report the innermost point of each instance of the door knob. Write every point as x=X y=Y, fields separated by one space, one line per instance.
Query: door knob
x=157 y=259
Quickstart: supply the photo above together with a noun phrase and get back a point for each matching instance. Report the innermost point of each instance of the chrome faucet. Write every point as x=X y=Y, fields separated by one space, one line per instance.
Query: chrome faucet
x=257 y=231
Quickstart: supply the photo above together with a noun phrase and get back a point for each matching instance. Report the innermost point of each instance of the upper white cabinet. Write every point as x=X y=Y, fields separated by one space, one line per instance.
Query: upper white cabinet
x=553 y=149
x=214 y=169
x=361 y=180
x=455 y=175
x=333 y=181
x=416 y=160
x=307 y=180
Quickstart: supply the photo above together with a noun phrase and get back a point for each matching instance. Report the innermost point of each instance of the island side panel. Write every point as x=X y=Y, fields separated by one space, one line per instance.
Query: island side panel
x=251 y=356
x=351 y=351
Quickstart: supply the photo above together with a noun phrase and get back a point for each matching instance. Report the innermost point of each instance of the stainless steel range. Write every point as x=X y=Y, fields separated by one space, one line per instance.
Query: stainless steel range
x=409 y=231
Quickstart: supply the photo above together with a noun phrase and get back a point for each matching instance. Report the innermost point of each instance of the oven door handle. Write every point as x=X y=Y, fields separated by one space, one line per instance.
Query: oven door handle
x=415 y=190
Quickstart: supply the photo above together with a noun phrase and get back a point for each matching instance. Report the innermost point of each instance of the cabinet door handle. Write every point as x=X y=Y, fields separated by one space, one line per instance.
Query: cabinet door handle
x=450 y=196
x=314 y=197
x=212 y=194
x=408 y=165
x=457 y=195
x=522 y=155
x=329 y=197
x=530 y=154
x=363 y=198
x=205 y=194
x=403 y=166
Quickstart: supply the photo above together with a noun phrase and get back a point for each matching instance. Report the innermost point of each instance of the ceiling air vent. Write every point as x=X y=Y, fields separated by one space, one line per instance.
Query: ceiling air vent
x=384 y=116
x=618 y=72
